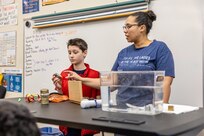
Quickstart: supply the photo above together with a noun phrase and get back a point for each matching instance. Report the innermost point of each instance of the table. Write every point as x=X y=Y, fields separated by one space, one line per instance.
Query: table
x=70 y=114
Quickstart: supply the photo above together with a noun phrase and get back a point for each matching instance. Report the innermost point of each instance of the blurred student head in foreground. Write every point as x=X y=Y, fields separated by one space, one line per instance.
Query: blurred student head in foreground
x=16 y=120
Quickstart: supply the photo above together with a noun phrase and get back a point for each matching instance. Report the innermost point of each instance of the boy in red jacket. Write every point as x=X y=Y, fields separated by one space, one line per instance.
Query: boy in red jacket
x=77 y=51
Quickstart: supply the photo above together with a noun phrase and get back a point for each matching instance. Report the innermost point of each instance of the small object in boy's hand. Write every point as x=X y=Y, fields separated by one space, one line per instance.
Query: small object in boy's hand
x=57 y=75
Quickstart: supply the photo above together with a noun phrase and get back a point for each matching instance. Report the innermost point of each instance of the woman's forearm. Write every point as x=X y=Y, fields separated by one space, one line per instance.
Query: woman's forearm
x=167 y=88
x=92 y=82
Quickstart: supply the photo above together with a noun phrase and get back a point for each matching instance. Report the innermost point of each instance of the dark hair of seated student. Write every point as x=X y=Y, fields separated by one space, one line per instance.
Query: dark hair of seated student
x=16 y=120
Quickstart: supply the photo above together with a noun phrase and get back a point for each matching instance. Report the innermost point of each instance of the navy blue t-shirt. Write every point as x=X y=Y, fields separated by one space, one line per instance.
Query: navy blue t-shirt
x=155 y=57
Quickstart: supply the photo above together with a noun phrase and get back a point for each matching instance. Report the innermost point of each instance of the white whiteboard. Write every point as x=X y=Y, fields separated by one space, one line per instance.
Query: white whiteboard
x=46 y=50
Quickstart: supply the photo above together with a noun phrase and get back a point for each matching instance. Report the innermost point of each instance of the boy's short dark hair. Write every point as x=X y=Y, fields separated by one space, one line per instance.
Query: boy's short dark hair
x=16 y=120
x=79 y=43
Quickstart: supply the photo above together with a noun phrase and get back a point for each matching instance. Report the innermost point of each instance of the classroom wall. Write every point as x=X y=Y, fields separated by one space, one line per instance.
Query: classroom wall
x=180 y=25
x=178 y=21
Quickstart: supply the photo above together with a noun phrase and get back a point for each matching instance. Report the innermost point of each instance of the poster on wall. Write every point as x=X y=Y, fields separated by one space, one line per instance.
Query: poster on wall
x=50 y=2
x=8 y=48
x=30 y=6
x=12 y=80
x=6 y=2
x=8 y=15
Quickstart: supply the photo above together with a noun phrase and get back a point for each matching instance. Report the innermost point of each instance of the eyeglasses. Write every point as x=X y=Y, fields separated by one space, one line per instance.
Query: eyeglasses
x=128 y=26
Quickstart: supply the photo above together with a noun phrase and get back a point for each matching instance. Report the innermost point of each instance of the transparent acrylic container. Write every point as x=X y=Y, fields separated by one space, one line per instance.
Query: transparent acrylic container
x=138 y=92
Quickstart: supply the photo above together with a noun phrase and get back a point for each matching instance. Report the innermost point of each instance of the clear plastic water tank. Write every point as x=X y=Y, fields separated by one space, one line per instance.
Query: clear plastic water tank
x=138 y=92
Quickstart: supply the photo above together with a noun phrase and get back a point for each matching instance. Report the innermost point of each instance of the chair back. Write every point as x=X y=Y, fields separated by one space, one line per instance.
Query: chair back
x=2 y=92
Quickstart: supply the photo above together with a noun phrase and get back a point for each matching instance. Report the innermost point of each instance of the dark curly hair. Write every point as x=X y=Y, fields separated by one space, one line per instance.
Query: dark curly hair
x=145 y=18
x=16 y=120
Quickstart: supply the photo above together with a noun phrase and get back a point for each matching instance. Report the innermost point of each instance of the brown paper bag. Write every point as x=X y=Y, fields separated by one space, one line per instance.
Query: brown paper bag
x=75 y=91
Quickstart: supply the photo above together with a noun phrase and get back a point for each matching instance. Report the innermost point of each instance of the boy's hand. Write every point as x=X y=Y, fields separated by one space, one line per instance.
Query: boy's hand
x=57 y=82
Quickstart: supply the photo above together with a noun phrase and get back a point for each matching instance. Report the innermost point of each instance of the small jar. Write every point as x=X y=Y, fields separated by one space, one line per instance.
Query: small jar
x=44 y=93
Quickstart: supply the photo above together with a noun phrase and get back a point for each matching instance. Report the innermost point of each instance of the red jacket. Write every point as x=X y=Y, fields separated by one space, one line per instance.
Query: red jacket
x=87 y=92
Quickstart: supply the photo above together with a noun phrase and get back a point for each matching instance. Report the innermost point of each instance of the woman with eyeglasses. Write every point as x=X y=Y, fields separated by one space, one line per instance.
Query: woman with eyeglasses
x=145 y=54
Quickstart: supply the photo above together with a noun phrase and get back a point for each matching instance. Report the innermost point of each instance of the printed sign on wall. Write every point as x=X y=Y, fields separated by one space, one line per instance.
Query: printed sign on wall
x=12 y=80
x=8 y=15
x=30 y=6
x=8 y=48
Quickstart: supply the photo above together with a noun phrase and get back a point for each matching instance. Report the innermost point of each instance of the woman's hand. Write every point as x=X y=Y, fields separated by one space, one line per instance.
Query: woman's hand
x=73 y=76
x=92 y=82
